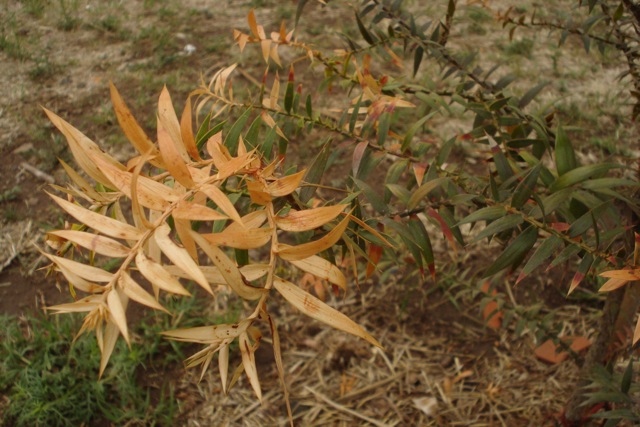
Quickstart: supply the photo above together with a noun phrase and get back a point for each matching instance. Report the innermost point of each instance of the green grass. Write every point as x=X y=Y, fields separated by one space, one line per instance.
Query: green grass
x=49 y=380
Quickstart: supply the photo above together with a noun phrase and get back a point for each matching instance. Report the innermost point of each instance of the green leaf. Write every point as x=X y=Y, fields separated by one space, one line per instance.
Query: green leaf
x=421 y=237
x=315 y=172
x=288 y=97
x=417 y=59
x=581 y=272
x=581 y=174
x=485 y=214
x=301 y=4
x=400 y=192
x=354 y=115
x=531 y=94
x=565 y=155
x=516 y=251
x=374 y=198
x=544 y=251
x=507 y=222
x=204 y=133
x=406 y=142
x=366 y=35
x=231 y=141
x=425 y=189
x=308 y=106
x=383 y=127
x=625 y=385
x=525 y=188
x=407 y=238
x=566 y=253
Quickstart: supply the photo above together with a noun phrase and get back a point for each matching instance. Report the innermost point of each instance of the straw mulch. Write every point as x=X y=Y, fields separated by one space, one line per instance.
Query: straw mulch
x=440 y=366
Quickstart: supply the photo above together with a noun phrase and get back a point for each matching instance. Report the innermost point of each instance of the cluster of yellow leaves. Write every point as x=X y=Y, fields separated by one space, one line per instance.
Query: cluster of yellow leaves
x=618 y=279
x=171 y=181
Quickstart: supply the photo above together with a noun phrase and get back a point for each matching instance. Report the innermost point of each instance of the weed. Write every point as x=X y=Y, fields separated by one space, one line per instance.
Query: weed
x=523 y=47
x=35 y=8
x=69 y=18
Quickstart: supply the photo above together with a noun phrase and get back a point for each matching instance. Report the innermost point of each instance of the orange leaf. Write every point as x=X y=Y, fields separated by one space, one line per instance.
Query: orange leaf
x=171 y=156
x=309 y=219
x=287 y=185
x=305 y=250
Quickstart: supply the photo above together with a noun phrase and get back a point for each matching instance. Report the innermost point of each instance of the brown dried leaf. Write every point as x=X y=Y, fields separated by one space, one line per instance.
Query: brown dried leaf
x=169 y=120
x=287 y=185
x=101 y=223
x=196 y=212
x=89 y=303
x=323 y=269
x=316 y=309
x=137 y=292
x=305 y=250
x=241 y=239
x=86 y=188
x=117 y=307
x=228 y=269
x=94 y=242
x=108 y=344
x=180 y=257
x=223 y=366
x=158 y=275
x=183 y=228
x=176 y=165
x=249 y=363
x=309 y=219
x=258 y=193
x=222 y=201
x=208 y=334
x=85 y=271
x=186 y=131
x=132 y=129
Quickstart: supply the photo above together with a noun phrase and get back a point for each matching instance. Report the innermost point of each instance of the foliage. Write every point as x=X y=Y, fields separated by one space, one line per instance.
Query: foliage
x=226 y=191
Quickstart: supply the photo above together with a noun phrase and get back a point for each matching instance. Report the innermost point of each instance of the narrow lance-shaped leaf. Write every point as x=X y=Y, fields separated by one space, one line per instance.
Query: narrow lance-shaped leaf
x=524 y=190
x=316 y=309
x=157 y=275
x=305 y=250
x=544 y=251
x=250 y=238
x=488 y=213
x=249 y=362
x=424 y=190
x=101 y=223
x=505 y=223
x=109 y=340
x=581 y=272
x=580 y=174
x=315 y=172
x=309 y=219
x=171 y=156
x=565 y=155
x=99 y=244
x=286 y=185
x=117 y=309
x=228 y=269
x=377 y=202
x=421 y=237
x=137 y=293
x=168 y=118
x=323 y=269
x=180 y=257
x=514 y=252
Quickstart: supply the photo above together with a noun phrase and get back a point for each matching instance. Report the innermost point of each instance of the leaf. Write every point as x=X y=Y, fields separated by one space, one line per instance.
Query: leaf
x=85 y=187
x=363 y=30
x=249 y=362
x=228 y=269
x=507 y=222
x=514 y=252
x=231 y=140
x=84 y=150
x=524 y=190
x=287 y=185
x=544 y=251
x=134 y=291
x=424 y=190
x=308 y=219
x=94 y=242
x=581 y=272
x=222 y=201
x=531 y=94
x=565 y=155
x=196 y=212
x=580 y=174
x=315 y=172
x=323 y=269
x=417 y=59
x=377 y=202
x=168 y=119
x=132 y=129
x=316 y=309
x=85 y=271
x=305 y=250
x=179 y=256
x=629 y=275
x=108 y=344
x=171 y=156
x=488 y=213
x=117 y=311
x=250 y=238
x=151 y=194
x=101 y=223
x=157 y=275
x=186 y=131
x=223 y=366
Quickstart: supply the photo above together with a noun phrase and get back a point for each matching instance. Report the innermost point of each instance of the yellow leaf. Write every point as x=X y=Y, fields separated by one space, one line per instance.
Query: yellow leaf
x=186 y=131
x=108 y=344
x=117 y=309
x=258 y=193
x=180 y=257
x=234 y=165
x=249 y=363
x=84 y=150
x=101 y=223
x=316 y=309
x=86 y=188
x=309 y=219
x=253 y=25
x=250 y=272
x=305 y=250
x=137 y=293
x=151 y=194
x=196 y=212
x=323 y=269
x=287 y=185
x=266 y=49
x=85 y=271
x=169 y=120
x=94 y=242
x=241 y=239
x=222 y=201
x=156 y=274
x=78 y=282
x=613 y=284
x=223 y=366
x=228 y=269
x=183 y=226
x=253 y=219
x=82 y=305
x=275 y=92
x=628 y=275
x=208 y=334
x=171 y=157
x=132 y=129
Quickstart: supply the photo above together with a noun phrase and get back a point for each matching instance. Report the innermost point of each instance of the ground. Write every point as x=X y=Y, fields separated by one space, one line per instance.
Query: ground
x=437 y=367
